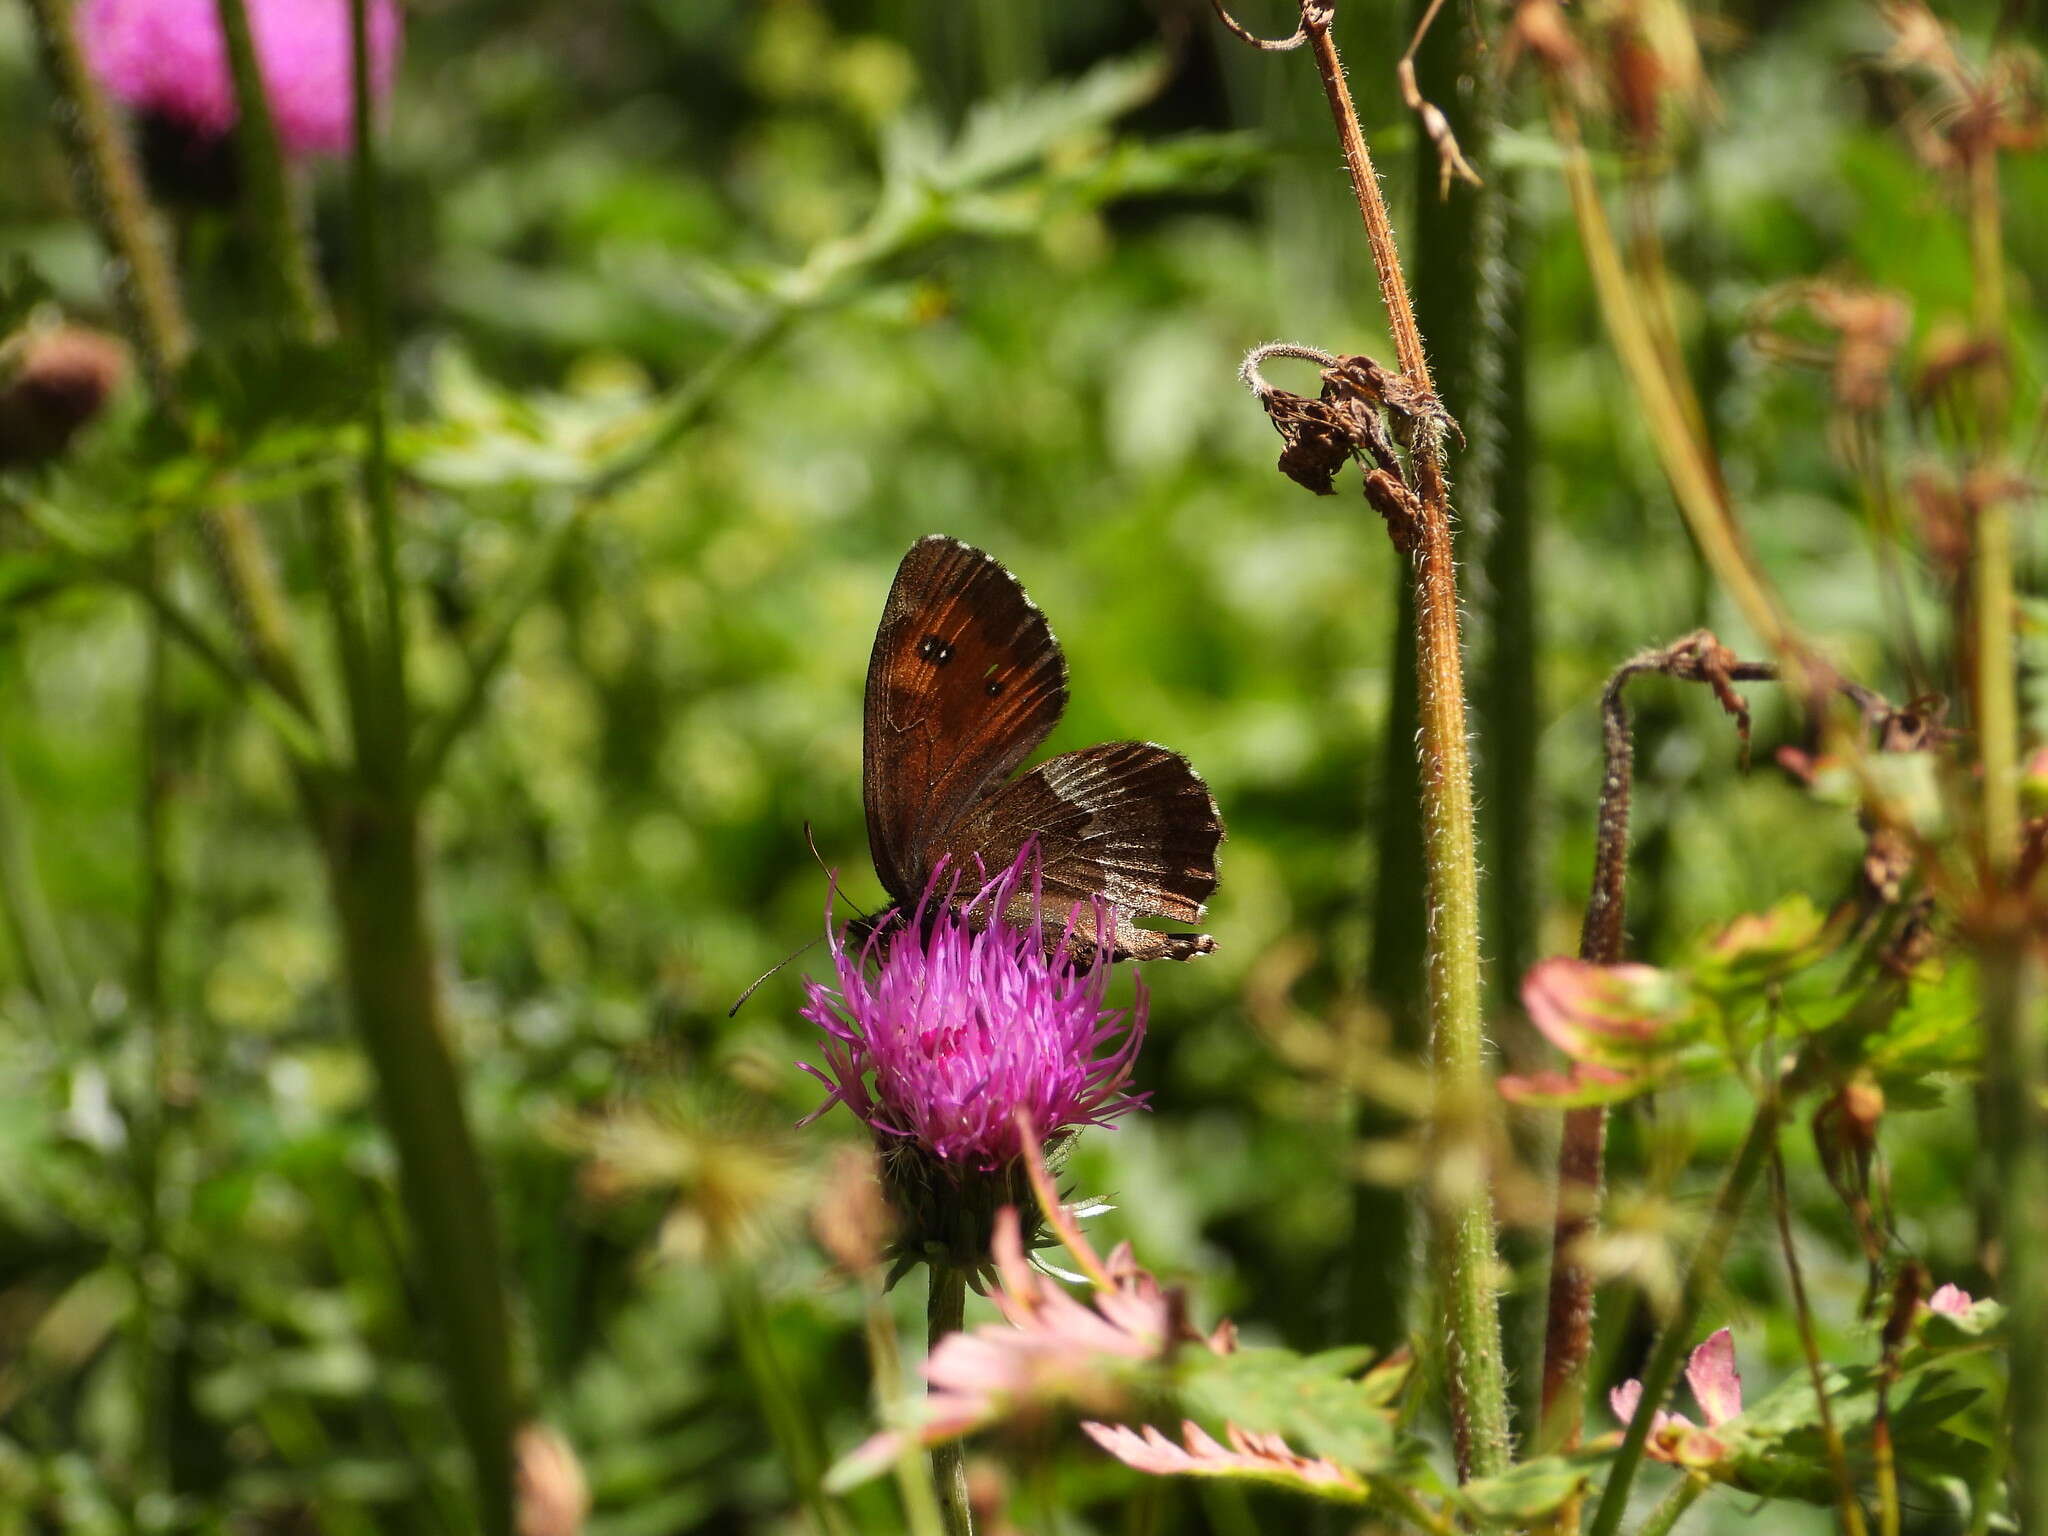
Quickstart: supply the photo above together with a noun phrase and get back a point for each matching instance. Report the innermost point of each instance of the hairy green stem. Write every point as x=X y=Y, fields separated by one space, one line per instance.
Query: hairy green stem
x=1463 y=1235
x=282 y=235
x=278 y=226
x=1701 y=1276
x=2010 y=994
x=946 y=1312
x=110 y=186
x=389 y=761
x=146 y=295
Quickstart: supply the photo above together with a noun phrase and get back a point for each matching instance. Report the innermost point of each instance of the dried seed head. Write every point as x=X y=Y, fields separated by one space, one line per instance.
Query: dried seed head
x=52 y=383
x=1540 y=28
x=1316 y=442
x=1398 y=505
x=852 y=1219
x=1944 y=522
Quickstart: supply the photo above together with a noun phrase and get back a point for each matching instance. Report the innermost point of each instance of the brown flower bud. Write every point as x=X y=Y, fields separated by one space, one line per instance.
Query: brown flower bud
x=55 y=382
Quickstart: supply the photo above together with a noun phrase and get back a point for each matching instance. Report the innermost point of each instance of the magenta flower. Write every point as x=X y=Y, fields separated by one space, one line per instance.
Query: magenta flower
x=943 y=1026
x=168 y=57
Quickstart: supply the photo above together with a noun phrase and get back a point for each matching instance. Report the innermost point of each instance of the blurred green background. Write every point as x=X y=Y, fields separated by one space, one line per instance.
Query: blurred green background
x=585 y=202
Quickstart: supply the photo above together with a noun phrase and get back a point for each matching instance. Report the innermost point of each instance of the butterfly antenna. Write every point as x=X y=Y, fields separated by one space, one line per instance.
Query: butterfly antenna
x=831 y=874
x=758 y=980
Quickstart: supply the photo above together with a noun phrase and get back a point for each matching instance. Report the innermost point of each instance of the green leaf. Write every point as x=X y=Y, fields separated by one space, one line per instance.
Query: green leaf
x=1316 y=1403
x=1526 y=1493
x=1761 y=947
x=1776 y=1447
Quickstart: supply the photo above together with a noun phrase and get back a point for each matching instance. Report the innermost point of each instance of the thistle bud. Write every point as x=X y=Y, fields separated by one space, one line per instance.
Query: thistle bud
x=54 y=382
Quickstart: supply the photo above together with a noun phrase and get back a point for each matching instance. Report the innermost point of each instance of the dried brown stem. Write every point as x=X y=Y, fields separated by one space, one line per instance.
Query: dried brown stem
x=1450 y=158
x=1245 y=34
x=1568 y=1328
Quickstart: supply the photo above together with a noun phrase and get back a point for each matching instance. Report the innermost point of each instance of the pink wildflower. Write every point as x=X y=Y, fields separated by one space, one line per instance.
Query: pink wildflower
x=1717 y=1387
x=168 y=57
x=966 y=1019
x=1608 y=1015
x=1051 y=1349
x=1952 y=1300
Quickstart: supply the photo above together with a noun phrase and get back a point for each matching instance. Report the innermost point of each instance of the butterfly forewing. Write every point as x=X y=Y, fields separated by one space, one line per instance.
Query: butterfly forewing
x=965 y=681
x=1127 y=821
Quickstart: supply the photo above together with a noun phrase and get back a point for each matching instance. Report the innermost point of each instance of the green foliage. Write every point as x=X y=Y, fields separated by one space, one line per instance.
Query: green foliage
x=1000 y=303
x=1318 y=1402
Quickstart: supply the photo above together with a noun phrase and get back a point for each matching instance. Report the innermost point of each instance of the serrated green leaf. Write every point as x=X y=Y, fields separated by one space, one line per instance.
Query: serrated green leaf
x=1526 y=1493
x=1315 y=1402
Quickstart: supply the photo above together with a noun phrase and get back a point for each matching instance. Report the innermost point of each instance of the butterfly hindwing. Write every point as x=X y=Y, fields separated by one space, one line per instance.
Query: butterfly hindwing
x=1126 y=821
x=965 y=681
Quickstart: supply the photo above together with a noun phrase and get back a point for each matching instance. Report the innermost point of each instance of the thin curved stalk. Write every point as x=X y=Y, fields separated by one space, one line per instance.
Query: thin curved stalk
x=946 y=1312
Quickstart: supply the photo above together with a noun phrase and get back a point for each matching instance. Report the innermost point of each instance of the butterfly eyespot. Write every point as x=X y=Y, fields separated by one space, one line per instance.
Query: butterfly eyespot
x=992 y=687
x=934 y=650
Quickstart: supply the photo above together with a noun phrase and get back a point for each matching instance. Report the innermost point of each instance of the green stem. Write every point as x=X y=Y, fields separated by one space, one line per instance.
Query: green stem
x=148 y=1117
x=390 y=756
x=1672 y=1508
x=1463 y=1235
x=1702 y=1276
x=282 y=234
x=2009 y=986
x=110 y=186
x=1816 y=1370
x=788 y=1419
x=146 y=294
x=946 y=1312
x=372 y=848
x=287 y=715
x=279 y=228
x=913 y=1472
x=2015 y=1043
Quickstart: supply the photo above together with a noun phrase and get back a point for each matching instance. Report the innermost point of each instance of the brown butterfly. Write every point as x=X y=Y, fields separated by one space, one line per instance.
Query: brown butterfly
x=965 y=682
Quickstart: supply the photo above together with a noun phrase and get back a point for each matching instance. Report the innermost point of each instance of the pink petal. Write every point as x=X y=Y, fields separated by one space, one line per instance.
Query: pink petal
x=1715 y=1382
x=1952 y=1300
x=1625 y=1399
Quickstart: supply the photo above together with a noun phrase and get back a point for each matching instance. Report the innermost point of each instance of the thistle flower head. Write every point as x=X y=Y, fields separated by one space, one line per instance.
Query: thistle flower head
x=942 y=1026
x=168 y=57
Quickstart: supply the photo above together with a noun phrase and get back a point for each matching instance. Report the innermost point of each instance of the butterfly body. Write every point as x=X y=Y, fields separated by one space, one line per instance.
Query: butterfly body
x=965 y=682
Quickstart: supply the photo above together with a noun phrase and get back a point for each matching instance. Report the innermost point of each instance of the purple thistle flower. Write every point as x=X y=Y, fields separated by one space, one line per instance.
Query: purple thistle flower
x=168 y=57
x=968 y=1018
